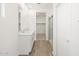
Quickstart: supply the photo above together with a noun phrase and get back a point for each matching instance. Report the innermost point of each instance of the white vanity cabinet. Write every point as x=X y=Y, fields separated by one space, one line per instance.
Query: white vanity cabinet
x=26 y=35
x=25 y=43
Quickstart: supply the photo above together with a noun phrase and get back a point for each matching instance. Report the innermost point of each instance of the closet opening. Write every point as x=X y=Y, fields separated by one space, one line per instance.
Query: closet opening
x=40 y=26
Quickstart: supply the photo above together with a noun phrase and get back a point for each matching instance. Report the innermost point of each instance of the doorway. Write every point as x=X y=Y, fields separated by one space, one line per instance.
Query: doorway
x=40 y=26
x=42 y=47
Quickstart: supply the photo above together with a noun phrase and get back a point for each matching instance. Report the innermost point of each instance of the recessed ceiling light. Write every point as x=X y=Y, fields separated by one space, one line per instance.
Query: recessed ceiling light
x=38 y=3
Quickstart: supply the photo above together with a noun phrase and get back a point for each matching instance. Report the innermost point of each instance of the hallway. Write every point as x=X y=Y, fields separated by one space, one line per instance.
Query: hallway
x=41 y=48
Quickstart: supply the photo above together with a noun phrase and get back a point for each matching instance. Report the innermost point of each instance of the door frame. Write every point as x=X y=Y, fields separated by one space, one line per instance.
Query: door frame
x=46 y=30
x=55 y=6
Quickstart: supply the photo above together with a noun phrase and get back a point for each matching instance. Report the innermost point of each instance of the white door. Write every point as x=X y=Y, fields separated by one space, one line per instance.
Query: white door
x=74 y=43
x=63 y=29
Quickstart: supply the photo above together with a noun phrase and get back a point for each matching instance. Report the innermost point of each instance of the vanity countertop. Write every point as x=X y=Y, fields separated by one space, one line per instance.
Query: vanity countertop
x=26 y=33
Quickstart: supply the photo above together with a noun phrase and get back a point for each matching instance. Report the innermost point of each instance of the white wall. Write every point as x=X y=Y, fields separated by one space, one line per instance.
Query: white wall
x=49 y=14
x=28 y=20
x=24 y=19
x=50 y=28
x=8 y=30
x=32 y=19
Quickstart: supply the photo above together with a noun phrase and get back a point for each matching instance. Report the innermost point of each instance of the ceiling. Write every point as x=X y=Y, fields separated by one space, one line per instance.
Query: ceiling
x=39 y=5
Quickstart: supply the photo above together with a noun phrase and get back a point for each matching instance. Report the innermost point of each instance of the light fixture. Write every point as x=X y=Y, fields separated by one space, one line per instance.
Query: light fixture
x=38 y=3
x=3 y=10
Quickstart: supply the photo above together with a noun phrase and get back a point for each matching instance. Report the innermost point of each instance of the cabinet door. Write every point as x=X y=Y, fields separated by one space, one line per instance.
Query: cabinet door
x=25 y=44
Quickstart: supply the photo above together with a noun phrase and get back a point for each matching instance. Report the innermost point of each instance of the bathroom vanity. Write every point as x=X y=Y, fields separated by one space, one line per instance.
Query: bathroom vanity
x=25 y=42
x=26 y=32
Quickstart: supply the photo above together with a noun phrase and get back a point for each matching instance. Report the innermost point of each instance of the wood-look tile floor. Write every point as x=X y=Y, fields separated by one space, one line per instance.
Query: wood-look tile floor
x=41 y=48
x=40 y=36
